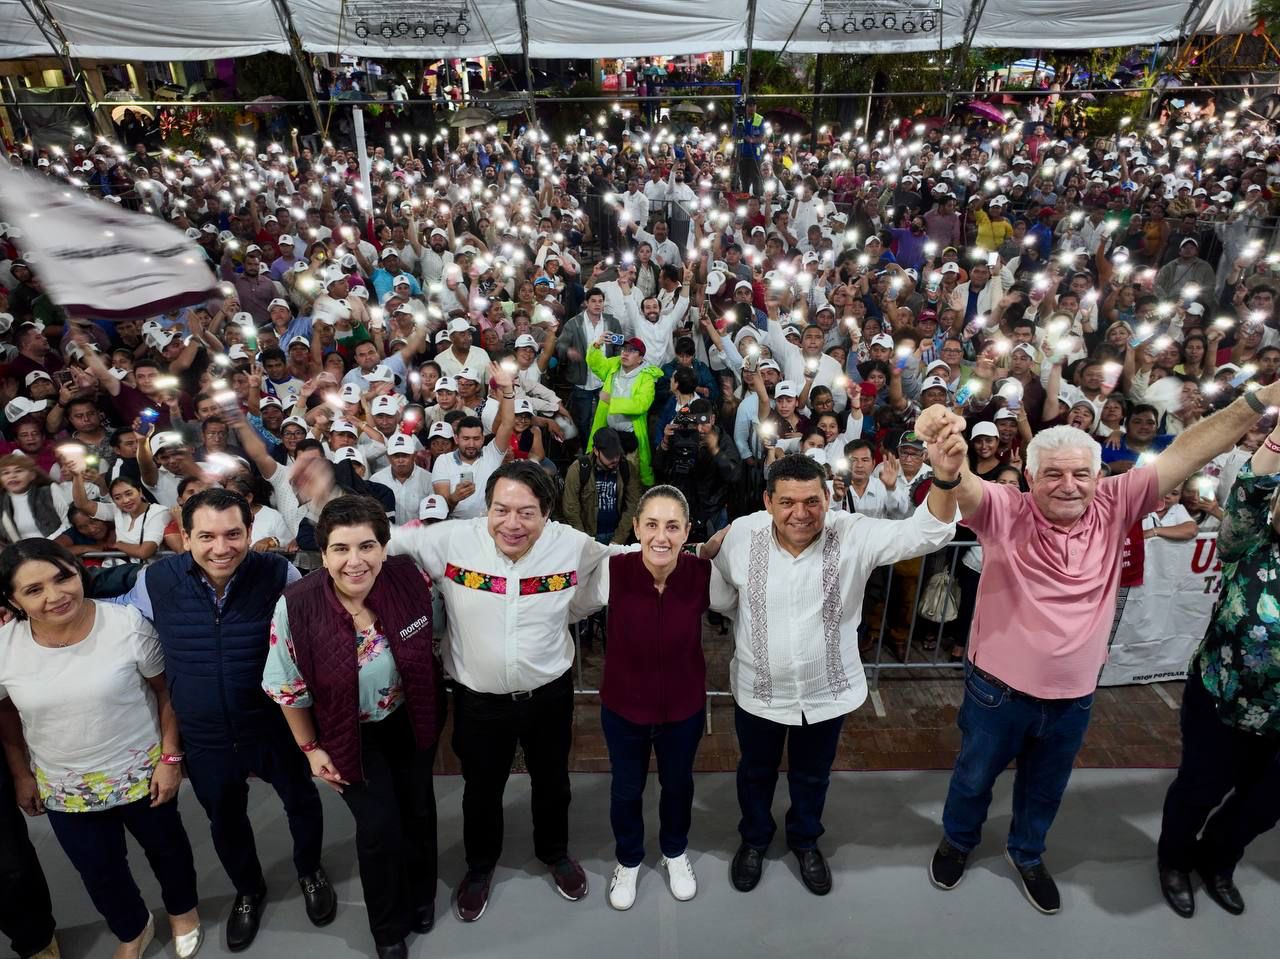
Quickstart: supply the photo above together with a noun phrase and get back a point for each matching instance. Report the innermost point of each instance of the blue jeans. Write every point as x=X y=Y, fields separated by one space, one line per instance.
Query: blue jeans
x=811 y=749
x=998 y=727
x=675 y=745
x=582 y=410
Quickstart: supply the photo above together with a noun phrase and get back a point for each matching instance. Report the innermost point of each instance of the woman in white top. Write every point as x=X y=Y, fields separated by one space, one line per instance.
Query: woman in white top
x=91 y=739
x=139 y=524
x=31 y=503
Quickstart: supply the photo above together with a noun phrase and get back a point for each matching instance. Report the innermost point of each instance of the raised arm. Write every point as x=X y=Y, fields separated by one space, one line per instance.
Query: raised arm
x=1211 y=437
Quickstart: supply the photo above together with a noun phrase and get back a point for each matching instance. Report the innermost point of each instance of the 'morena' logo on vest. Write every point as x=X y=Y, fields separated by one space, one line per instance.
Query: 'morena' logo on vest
x=416 y=625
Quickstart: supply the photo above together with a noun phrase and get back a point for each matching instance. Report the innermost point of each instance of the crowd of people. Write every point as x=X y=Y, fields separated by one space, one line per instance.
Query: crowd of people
x=507 y=388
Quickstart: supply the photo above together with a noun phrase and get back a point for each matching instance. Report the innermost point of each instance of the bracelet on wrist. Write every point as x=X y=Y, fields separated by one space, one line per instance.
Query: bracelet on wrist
x=1271 y=444
x=1255 y=404
x=172 y=759
x=310 y=746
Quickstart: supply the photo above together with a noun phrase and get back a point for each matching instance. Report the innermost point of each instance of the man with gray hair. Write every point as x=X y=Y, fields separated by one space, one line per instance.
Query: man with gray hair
x=1046 y=600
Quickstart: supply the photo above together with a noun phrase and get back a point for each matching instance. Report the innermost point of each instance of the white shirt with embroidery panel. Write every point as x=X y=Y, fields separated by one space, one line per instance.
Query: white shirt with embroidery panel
x=796 y=631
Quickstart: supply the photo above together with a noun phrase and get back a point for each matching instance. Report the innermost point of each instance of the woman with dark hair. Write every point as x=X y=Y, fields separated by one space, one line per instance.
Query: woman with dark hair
x=140 y=524
x=31 y=503
x=91 y=739
x=653 y=695
x=352 y=666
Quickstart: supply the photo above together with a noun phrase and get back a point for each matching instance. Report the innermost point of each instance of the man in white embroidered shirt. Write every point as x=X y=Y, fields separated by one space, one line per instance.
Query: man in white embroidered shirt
x=800 y=571
x=508 y=579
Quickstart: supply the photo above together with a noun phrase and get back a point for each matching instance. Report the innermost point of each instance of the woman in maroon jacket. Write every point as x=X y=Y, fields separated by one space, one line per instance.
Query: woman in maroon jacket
x=351 y=663
x=653 y=696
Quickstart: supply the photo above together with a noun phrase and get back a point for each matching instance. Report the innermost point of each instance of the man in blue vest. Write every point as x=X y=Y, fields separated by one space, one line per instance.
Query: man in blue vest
x=749 y=133
x=212 y=607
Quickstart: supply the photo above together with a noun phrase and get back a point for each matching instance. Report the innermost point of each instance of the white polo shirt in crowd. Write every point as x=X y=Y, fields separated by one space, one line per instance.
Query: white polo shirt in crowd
x=450 y=467
x=877 y=501
x=409 y=493
x=664 y=251
x=796 y=633
x=508 y=621
x=477 y=359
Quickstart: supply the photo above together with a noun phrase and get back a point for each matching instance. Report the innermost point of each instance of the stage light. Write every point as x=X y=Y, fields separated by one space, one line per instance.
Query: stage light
x=462 y=28
x=850 y=26
x=419 y=30
x=402 y=27
x=362 y=30
x=889 y=22
x=824 y=26
x=388 y=31
x=440 y=28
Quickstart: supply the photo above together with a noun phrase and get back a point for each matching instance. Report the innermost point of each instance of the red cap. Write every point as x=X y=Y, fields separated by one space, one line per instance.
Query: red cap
x=867 y=389
x=635 y=343
x=1047 y=211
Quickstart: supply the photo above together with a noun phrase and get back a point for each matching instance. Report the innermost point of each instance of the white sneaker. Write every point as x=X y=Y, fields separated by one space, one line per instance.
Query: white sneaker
x=684 y=885
x=622 y=887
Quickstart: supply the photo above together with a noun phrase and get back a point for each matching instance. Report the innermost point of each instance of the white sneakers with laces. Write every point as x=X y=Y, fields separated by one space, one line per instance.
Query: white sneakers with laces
x=622 y=887
x=680 y=877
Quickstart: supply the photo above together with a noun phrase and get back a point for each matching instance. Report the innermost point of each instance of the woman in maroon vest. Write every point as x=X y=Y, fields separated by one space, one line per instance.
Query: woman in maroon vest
x=351 y=664
x=653 y=696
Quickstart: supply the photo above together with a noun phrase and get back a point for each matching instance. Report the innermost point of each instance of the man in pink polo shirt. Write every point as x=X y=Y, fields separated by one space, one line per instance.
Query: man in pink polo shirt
x=1051 y=564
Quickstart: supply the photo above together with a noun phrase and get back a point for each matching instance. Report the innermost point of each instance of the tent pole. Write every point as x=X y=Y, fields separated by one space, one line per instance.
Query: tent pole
x=49 y=27
x=751 y=41
x=961 y=56
x=285 y=16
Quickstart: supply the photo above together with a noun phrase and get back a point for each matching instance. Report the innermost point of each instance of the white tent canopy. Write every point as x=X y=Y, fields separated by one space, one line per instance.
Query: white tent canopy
x=181 y=30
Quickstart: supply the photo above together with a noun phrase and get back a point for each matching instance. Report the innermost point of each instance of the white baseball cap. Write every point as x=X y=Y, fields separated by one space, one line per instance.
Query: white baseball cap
x=349 y=454
x=447 y=383
x=1026 y=348
x=934 y=381
x=525 y=340
x=440 y=429
x=882 y=339
x=985 y=428
x=294 y=421
x=524 y=407
x=433 y=507
x=344 y=426
x=786 y=388
x=350 y=393
x=380 y=374
x=165 y=441
x=458 y=325
x=269 y=401
x=466 y=373
x=402 y=443
x=20 y=406
x=385 y=405
x=36 y=375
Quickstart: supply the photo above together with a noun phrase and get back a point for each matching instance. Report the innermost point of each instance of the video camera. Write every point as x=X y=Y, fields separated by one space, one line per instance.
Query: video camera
x=685 y=419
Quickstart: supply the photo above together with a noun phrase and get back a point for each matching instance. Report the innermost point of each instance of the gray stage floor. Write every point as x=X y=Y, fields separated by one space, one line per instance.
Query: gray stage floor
x=881 y=829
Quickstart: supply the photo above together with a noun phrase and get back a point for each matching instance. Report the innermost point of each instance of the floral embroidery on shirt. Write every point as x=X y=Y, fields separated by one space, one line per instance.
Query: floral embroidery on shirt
x=469 y=578
x=534 y=585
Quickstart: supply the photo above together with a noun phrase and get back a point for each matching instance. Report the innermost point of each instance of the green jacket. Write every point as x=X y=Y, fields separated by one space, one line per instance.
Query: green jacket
x=636 y=406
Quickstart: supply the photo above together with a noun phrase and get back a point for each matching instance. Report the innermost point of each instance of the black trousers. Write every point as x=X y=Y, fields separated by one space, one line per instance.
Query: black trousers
x=395 y=813
x=486 y=730
x=220 y=780
x=1217 y=759
x=26 y=915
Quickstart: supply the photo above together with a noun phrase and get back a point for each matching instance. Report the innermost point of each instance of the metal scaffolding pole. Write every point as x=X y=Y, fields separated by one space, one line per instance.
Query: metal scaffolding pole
x=961 y=54
x=285 y=16
x=49 y=27
x=751 y=40
x=523 y=16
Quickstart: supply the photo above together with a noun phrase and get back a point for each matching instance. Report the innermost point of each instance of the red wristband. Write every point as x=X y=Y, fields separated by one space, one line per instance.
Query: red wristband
x=172 y=759
x=310 y=747
x=1271 y=444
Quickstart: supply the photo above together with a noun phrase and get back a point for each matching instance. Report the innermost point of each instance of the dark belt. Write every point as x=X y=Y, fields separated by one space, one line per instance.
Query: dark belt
x=1002 y=685
x=520 y=695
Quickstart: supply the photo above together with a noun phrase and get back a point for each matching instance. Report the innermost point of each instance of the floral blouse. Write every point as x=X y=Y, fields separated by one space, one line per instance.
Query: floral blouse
x=381 y=692
x=1239 y=659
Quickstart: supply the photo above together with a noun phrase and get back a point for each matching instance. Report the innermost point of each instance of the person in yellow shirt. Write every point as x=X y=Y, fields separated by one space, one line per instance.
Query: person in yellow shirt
x=993 y=228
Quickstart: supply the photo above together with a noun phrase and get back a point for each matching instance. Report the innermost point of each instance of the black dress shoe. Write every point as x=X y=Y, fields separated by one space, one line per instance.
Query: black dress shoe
x=424 y=918
x=814 y=871
x=397 y=951
x=745 y=870
x=1176 y=886
x=1222 y=890
x=318 y=894
x=242 y=924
